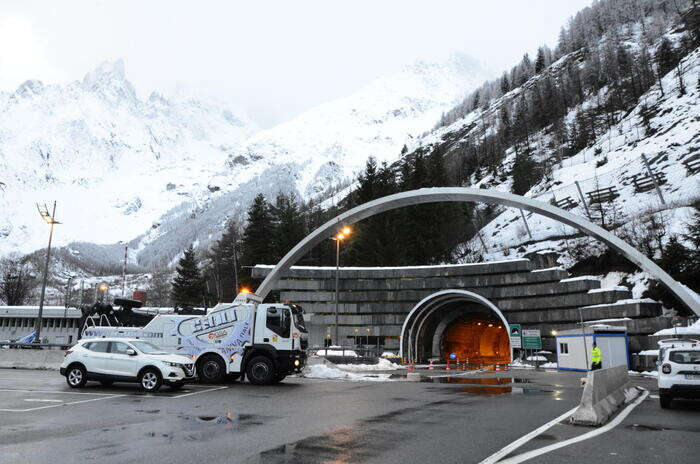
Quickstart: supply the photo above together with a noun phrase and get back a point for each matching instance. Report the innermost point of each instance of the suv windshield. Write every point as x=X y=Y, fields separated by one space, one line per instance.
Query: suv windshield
x=298 y=313
x=685 y=357
x=147 y=348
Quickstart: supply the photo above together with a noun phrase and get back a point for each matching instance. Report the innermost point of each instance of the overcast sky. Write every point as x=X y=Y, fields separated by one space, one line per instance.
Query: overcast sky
x=274 y=59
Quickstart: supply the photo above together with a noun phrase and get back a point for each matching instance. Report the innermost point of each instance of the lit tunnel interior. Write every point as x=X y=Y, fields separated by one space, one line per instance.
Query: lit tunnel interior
x=459 y=322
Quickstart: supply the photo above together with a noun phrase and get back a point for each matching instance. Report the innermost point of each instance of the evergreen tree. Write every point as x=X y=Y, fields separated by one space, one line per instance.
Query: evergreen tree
x=257 y=244
x=525 y=173
x=159 y=289
x=188 y=285
x=540 y=61
x=505 y=85
x=289 y=224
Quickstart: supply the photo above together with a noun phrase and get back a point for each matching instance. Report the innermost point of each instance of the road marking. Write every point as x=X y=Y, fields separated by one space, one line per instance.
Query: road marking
x=197 y=392
x=525 y=438
x=59 y=405
x=42 y=400
x=54 y=391
x=610 y=425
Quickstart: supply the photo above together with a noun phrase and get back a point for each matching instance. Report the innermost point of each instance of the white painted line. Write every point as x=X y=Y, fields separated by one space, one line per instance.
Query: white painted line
x=610 y=425
x=59 y=405
x=525 y=438
x=197 y=392
x=42 y=400
x=55 y=391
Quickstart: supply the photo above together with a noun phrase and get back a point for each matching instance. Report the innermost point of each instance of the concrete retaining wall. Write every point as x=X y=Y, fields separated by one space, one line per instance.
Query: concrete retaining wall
x=381 y=298
x=31 y=359
x=605 y=391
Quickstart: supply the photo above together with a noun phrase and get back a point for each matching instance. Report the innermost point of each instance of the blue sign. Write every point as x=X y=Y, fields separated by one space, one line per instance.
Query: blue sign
x=453 y=355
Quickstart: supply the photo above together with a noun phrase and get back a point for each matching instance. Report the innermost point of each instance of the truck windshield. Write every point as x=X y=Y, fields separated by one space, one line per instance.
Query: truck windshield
x=298 y=313
x=685 y=357
x=147 y=348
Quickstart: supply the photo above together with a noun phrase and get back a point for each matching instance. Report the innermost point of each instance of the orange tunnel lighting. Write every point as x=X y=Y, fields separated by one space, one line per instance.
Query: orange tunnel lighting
x=476 y=340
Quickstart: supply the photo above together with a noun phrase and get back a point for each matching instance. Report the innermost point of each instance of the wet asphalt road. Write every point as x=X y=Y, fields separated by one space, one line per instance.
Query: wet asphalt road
x=316 y=421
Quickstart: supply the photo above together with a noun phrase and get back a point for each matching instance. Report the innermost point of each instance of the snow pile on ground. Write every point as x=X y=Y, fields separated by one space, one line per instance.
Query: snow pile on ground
x=518 y=364
x=382 y=365
x=321 y=371
x=649 y=353
x=536 y=358
x=550 y=365
x=650 y=373
x=692 y=329
x=389 y=354
x=336 y=351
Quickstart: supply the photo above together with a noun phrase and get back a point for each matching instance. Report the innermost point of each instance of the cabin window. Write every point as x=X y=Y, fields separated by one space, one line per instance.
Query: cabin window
x=278 y=321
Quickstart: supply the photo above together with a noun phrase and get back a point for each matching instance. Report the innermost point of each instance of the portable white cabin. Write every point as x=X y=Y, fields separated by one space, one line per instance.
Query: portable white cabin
x=574 y=347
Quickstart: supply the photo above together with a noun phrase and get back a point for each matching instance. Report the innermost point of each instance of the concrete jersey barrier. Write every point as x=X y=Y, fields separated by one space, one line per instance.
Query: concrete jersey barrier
x=31 y=359
x=605 y=391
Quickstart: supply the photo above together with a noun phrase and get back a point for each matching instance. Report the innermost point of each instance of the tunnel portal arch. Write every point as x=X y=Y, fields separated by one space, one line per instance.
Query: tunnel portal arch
x=424 y=328
x=466 y=194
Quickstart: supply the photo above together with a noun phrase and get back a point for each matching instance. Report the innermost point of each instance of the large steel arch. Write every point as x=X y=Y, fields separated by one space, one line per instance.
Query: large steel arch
x=465 y=194
x=408 y=346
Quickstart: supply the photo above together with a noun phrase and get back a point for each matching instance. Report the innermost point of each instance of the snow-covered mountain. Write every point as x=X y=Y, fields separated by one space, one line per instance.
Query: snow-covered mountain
x=164 y=172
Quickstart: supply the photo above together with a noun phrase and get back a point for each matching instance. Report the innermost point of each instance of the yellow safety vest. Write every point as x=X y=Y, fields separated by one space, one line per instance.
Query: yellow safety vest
x=597 y=355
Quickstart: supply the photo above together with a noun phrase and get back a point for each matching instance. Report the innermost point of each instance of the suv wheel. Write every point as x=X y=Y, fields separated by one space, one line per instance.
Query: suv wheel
x=260 y=370
x=76 y=376
x=665 y=400
x=211 y=369
x=150 y=380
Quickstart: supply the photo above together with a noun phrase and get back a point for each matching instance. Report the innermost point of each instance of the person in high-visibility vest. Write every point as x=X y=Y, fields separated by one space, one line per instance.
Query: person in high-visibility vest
x=597 y=357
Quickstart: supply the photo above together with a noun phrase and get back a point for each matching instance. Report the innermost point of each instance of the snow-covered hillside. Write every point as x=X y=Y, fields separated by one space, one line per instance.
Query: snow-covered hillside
x=615 y=160
x=113 y=162
x=163 y=173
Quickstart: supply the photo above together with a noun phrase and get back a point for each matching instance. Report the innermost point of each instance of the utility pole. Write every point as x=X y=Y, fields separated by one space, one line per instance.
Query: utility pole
x=126 y=253
x=583 y=329
x=50 y=219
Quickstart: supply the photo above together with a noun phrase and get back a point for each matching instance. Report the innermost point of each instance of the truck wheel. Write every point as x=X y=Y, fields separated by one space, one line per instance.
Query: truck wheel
x=211 y=369
x=76 y=376
x=665 y=400
x=260 y=370
x=150 y=380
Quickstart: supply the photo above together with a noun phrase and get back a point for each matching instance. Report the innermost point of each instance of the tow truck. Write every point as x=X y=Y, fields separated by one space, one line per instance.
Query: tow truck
x=246 y=338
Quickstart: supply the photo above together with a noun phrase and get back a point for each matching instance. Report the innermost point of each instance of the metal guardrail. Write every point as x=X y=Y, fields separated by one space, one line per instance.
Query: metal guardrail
x=35 y=346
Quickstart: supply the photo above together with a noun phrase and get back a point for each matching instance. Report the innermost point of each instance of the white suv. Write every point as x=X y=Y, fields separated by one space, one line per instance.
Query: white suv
x=679 y=370
x=110 y=360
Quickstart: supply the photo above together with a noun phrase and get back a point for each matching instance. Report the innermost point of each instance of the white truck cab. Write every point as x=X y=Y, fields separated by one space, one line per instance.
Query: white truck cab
x=265 y=342
x=679 y=370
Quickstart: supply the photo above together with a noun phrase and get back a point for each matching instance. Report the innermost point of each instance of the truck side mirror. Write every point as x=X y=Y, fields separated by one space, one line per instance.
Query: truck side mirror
x=130 y=352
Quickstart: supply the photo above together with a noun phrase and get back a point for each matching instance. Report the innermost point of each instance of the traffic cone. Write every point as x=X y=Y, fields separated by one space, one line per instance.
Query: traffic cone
x=448 y=365
x=430 y=366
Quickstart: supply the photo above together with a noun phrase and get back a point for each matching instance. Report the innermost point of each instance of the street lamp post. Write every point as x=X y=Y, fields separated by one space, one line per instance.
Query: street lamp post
x=345 y=232
x=50 y=219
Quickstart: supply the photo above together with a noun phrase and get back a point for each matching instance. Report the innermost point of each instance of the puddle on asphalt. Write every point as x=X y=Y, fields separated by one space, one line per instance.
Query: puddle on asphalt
x=645 y=428
x=230 y=419
x=476 y=380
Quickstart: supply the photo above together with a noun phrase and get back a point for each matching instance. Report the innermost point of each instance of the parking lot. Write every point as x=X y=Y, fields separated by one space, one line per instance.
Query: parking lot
x=466 y=418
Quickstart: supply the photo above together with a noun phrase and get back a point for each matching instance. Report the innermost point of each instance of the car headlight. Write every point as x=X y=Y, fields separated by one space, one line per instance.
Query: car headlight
x=171 y=364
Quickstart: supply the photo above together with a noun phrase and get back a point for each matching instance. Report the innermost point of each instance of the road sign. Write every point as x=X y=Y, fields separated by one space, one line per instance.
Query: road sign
x=453 y=355
x=515 y=334
x=532 y=339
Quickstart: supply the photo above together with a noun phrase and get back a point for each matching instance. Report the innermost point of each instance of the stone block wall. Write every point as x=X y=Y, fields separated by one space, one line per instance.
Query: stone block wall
x=380 y=298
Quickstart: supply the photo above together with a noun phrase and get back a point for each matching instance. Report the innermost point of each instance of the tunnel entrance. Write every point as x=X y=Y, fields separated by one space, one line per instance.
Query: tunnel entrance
x=476 y=340
x=456 y=322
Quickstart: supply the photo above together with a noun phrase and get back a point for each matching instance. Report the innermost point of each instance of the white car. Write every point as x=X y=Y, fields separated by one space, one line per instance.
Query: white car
x=679 y=370
x=110 y=360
